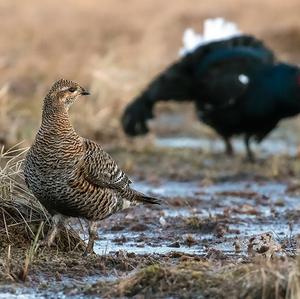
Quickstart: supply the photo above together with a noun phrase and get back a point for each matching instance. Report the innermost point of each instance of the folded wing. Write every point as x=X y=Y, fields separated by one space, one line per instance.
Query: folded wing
x=100 y=169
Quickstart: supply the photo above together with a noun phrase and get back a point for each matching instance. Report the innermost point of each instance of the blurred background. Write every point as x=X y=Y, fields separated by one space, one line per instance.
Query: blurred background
x=114 y=48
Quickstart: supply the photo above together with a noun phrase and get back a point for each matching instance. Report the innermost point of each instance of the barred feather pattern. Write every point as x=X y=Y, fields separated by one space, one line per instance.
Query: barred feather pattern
x=74 y=176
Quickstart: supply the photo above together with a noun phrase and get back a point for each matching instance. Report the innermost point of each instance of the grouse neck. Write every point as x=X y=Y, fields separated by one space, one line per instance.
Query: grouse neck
x=56 y=119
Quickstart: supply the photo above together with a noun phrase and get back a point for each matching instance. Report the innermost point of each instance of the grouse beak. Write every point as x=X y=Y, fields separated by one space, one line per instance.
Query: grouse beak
x=84 y=92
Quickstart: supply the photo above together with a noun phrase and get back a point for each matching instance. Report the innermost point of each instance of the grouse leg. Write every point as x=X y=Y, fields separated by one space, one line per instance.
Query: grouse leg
x=250 y=155
x=58 y=221
x=229 y=149
x=92 y=236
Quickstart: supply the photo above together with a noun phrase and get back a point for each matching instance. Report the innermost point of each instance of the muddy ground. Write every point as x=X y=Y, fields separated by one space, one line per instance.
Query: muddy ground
x=222 y=220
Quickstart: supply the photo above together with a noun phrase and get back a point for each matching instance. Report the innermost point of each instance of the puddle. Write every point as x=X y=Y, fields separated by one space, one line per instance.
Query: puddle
x=270 y=146
x=20 y=291
x=169 y=189
x=253 y=208
x=29 y=293
x=108 y=246
x=226 y=211
x=274 y=192
x=7 y=295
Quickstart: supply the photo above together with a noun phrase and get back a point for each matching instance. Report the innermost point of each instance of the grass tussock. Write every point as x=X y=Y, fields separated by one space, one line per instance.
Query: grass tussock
x=277 y=279
x=21 y=214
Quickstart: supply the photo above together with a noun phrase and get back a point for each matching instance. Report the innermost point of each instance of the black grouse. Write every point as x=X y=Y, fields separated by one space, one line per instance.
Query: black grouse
x=237 y=85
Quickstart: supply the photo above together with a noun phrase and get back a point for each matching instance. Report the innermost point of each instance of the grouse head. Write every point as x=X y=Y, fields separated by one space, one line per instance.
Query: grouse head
x=63 y=93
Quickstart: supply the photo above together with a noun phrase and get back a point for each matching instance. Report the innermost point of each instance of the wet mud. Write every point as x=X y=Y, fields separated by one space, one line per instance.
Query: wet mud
x=213 y=209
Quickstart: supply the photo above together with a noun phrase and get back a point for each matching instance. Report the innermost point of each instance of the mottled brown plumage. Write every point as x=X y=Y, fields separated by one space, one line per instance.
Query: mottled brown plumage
x=72 y=176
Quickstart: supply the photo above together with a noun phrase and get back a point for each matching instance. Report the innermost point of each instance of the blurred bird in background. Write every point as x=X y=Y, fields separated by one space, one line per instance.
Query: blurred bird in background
x=234 y=80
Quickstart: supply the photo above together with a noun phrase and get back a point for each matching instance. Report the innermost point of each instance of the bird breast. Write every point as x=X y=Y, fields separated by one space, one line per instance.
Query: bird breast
x=51 y=161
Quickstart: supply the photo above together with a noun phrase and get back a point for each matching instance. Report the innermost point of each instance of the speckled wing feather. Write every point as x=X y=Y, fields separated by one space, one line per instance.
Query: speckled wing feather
x=100 y=169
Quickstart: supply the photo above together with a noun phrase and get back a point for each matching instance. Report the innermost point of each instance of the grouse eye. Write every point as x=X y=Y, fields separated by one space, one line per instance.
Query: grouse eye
x=72 y=89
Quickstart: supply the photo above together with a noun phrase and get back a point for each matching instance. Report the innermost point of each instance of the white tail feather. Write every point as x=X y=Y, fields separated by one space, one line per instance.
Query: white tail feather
x=213 y=30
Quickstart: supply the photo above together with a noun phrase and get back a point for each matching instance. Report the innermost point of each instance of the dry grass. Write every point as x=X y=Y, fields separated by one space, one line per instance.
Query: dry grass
x=110 y=85
x=275 y=279
x=19 y=209
x=20 y=213
x=115 y=53
x=8 y=124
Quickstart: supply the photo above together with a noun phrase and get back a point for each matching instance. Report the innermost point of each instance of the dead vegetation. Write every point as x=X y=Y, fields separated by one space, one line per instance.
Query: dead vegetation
x=196 y=279
x=23 y=220
x=21 y=259
x=19 y=209
x=11 y=120
x=115 y=59
x=20 y=213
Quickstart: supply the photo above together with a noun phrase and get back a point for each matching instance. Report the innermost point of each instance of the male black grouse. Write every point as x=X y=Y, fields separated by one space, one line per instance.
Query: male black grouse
x=237 y=85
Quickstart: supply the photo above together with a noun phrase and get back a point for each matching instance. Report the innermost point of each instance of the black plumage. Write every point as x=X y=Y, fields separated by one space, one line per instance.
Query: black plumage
x=237 y=86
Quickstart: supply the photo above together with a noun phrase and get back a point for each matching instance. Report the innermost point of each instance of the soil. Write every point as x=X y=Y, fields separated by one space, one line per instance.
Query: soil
x=215 y=211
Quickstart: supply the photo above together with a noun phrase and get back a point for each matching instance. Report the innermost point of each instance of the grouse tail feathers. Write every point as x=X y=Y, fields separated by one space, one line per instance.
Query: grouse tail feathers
x=241 y=41
x=142 y=198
